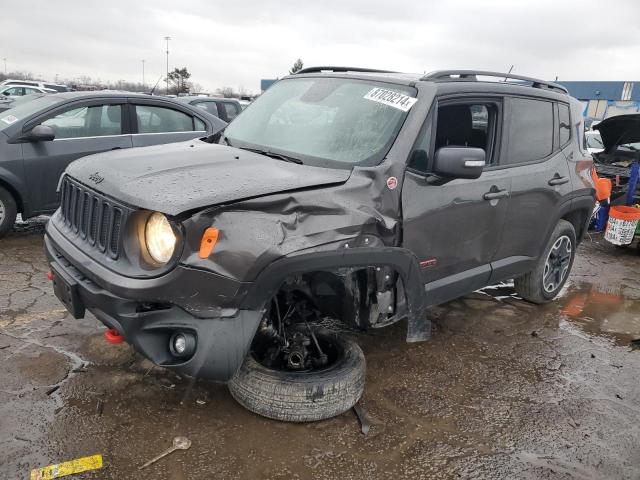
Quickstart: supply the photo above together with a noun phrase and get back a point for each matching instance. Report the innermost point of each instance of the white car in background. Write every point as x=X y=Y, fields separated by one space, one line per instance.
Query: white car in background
x=594 y=141
x=34 y=83
x=21 y=90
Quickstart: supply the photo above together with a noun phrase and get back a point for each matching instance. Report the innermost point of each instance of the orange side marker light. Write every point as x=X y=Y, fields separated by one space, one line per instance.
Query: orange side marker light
x=208 y=242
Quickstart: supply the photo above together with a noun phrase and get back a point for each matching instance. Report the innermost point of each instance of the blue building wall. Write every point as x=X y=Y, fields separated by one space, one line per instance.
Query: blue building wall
x=584 y=90
x=266 y=83
x=605 y=99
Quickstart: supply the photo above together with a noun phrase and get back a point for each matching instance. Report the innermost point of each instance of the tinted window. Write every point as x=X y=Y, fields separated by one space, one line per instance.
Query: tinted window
x=231 y=110
x=57 y=88
x=161 y=120
x=210 y=107
x=564 y=123
x=530 y=130
x=14 y=91
x=94 y=121
x=199 y=124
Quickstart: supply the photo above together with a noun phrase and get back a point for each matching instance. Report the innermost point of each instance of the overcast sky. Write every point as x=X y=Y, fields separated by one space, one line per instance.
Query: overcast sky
x=237 y=43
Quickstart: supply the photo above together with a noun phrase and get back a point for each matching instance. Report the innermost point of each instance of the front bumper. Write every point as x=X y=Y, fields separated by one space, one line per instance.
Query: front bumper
x=146 y=317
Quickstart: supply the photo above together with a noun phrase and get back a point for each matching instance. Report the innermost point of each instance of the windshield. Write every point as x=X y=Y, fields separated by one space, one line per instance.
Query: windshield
x=594 y=140
x=24 y=109
x=329 y=122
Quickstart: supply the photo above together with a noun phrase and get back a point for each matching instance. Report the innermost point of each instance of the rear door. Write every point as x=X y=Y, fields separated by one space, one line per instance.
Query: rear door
x=454 y=227
x=157 y=123
x=540 y=182
x=81 y=128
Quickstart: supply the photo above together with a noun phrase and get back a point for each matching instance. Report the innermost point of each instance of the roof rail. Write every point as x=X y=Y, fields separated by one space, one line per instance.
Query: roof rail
x=341 y=69
x=471 y=75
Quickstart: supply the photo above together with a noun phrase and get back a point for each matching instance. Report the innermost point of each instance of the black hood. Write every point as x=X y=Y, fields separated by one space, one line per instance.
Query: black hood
x=619 y=130
x=190 y=175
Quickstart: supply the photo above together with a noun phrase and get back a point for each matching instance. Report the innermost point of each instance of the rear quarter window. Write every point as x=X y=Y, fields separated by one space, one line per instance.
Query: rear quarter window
x=530 y=130
x=564 y=123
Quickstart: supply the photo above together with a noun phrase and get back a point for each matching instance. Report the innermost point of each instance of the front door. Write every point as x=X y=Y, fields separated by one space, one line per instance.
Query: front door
x=81 y=129
x=454 y=227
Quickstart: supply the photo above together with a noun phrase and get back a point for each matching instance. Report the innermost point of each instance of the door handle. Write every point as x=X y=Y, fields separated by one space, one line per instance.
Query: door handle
x=558 y=180
x=496 y=194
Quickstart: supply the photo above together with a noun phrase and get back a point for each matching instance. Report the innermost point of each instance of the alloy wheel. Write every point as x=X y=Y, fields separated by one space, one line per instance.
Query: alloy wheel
x=557 y=265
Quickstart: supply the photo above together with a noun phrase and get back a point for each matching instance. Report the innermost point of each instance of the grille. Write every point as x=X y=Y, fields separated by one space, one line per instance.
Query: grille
x=92 y=217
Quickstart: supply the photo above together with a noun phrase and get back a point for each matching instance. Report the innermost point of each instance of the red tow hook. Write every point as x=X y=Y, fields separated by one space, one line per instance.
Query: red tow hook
x=50 y=276
x=111 y=335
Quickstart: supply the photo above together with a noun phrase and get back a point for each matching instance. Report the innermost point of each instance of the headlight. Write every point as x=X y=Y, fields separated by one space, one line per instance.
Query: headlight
x=159 y=237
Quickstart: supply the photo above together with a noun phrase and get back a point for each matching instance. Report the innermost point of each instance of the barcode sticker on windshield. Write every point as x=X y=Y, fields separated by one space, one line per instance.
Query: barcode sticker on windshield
x=9 y=119
x=389 y=97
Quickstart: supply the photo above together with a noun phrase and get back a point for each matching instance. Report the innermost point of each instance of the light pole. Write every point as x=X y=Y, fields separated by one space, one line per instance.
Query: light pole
x=143 y=72
x=167 y=79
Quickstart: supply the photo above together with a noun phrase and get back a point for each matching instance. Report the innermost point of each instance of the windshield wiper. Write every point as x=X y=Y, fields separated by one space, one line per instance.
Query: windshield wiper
x=277 y=156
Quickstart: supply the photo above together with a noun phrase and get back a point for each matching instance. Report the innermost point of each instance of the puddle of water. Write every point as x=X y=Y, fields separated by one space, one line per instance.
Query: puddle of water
x=603 y=310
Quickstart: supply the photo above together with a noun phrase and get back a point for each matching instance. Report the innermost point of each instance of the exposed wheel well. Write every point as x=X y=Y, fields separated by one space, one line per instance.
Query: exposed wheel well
x=14 y=193
x=577 y=218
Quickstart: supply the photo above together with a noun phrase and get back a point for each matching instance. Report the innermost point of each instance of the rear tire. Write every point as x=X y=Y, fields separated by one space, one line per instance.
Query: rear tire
x=8 y=212
x=541 y=285
x=302 y=396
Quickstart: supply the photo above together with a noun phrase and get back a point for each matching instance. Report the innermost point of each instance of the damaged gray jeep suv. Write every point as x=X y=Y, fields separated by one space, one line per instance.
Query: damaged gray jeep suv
x=342 y=198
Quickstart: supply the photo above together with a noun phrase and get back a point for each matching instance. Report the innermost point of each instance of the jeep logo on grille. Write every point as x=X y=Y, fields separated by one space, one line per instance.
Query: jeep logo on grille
x=96 y=178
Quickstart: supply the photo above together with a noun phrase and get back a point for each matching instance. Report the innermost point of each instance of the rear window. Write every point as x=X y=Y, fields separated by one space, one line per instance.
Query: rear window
x=530 y=136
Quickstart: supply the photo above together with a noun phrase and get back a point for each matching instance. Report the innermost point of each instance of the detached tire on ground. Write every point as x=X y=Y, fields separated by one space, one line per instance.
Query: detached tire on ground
x=302 y=396
x=8 y=212
x=545 y=281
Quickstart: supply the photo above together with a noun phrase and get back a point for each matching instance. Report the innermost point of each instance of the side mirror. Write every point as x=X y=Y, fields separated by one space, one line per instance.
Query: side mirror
x=6 y=94
x=40 y=133
x=459 y=162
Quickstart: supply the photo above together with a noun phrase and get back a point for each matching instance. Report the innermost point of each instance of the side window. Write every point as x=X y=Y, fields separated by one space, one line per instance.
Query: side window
x=419 y=160
x=210 y=107
x=230 y=110
x=162 y=120
x=29 y=90
x=458 y=125
x=530 y=132
x=93 y=121
x=15 y=91
x=199 y=124
x=564 y=123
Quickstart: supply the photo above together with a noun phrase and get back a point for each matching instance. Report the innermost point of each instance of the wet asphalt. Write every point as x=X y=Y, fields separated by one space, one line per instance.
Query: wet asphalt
x=504 y=389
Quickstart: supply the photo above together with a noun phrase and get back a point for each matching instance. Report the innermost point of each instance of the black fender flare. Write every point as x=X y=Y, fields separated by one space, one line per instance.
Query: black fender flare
x=400 y=259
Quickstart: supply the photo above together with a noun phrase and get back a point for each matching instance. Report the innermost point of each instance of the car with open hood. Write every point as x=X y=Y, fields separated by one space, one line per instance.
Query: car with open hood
x=621 y=148
x=343 y=198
